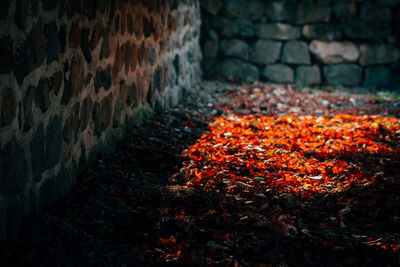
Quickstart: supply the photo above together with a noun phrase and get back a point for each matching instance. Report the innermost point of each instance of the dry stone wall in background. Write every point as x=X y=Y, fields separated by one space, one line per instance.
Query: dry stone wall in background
x=75 y=76
x=308 y=42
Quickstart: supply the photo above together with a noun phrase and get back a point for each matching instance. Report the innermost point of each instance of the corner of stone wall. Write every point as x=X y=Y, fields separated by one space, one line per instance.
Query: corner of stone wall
x=75 y=78
x=350 y=43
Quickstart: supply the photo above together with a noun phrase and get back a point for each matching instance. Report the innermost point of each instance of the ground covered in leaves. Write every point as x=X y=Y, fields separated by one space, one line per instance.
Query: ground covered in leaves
x=250 y=175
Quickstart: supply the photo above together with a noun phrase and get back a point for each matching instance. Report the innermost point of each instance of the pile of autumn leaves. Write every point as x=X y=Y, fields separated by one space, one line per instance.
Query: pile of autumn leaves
x=299 y=154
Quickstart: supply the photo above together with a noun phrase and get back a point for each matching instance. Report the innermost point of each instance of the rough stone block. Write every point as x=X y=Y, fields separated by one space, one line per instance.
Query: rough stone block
x=7 y=54
x=42 y=95
x=238 y=69
x=74 y=36
x=102 y=79
x=14 y=176
x=309 y=13
x=367 y=29
x=388 y=2
x=308 y=75
x=212 y=6
x=280 y=11
x=278 y=31
x=8 y=107
x=27 y=108
x=53 y=141
x=71 y=125
x=374 y=13
x=323 y=32
x=278 y=73
x=210 y=48
x=52 y=42
x=344 y=11
x=334 y=52
x=343 y=74
x=85 y=45
x=371 y=54
x=76 y=74
x=86 y=111
x=296 y=52
x=264 y=51
x=250 y=9
x=234 y=27
x=38 y=158
x=234 y=48
x=378 y=76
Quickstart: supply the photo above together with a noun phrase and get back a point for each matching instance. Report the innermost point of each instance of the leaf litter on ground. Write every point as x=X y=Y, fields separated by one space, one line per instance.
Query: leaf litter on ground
x=237 y=175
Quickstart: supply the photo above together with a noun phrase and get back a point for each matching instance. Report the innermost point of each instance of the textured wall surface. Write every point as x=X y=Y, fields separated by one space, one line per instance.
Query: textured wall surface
x=308 y=42
x=75 y=77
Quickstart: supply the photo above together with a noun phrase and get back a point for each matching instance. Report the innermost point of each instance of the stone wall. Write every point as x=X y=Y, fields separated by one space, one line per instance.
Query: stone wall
x=75 y=76
x=344 y=42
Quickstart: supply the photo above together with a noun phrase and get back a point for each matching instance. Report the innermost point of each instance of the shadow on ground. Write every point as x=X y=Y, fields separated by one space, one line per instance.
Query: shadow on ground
x=133 y=208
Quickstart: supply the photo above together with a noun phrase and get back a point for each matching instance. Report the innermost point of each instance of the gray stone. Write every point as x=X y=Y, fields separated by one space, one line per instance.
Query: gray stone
x=296 y=52
x=234 y=48
x=388 y=2
x=102 y=79
x=86 y=111
x=278 y=31
x=158 y=80
x=378 y=76
x=344 y=11
x=237 y=27
x=279 y=11
x=374 y=13
x=85 y=45
x=53 y=141
x=210 y=48
x=212 y=6
x=323 y=32
x=38 y=158
x=308 y=75
x=71 y=125
x=133 y=95
x=264 y=51
x=371 y=54
x=31 y=54
x=278 y=73
x=343 y=74
x=250 y=9
x=309 y=13
x=76 y=74
x=8 y=107
x=237 y=69
x=67 y=93
x=102 y=115
x=55 y=82
x=42 y=95
x=15 y=174
x=52 y=42
x=27 y=107
x=367 y=29
x=62 y=35
x=334 y=52
x=7 y=54
x=105 y=47
x=96 y=35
